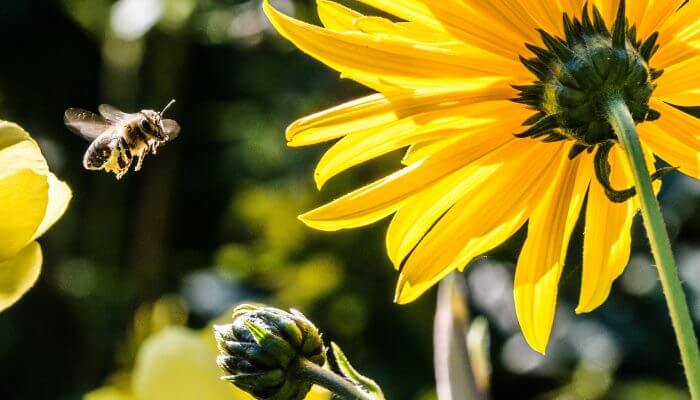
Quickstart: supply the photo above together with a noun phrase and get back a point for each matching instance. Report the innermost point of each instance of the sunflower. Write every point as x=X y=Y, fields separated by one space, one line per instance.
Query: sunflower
x=498 y=104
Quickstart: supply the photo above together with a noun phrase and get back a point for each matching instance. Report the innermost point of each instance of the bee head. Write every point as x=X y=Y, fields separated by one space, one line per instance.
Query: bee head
x=150 y=124
x=153 y=124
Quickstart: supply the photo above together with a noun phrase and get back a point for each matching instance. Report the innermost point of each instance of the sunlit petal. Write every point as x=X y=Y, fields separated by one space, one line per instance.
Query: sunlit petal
x=18 y=274
x=542 y=258
x=23 y=201
x=481 y=219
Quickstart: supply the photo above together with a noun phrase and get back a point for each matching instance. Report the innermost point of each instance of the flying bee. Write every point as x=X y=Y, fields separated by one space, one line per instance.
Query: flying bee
x=118 y=138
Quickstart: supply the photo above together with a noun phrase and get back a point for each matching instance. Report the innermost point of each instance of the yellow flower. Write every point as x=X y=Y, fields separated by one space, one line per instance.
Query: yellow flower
x=32 y=199
x=456 y=79
x=177 y=363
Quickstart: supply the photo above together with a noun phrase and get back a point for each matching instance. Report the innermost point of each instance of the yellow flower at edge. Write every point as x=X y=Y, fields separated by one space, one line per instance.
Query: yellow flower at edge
x=32 y=199
x=177 y=363
x=497 y=103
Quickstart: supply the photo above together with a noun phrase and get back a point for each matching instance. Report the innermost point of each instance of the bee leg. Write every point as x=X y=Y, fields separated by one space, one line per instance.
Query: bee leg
x=139 y=160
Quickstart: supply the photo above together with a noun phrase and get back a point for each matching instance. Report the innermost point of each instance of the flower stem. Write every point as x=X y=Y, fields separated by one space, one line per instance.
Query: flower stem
x=310 y=372
x=621 y=120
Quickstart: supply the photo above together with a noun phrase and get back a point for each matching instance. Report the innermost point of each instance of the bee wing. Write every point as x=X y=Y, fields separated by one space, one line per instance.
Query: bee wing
x=85 y=124
x=170 y=128
x=113 y=114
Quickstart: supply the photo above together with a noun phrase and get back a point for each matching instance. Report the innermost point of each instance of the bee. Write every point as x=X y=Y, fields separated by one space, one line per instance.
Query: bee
x=118 y=137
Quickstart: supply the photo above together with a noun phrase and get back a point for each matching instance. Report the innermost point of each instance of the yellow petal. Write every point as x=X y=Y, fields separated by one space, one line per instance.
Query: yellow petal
x=472 y=120
x=109 y=393
x=607 y=239
x=681 y=125
x=415 y=218
x=376 y=60
x=656 y=15
x=23 y=201
x=675 y=137
x=455 y=18
x=59 y=197
x=421 y=150
x=381 y=198
x=670 y=149
x=178 y=364
x=379 y=110
x=679 y=83
x=18 y=151
x=571 y=7
x=681 y=25
x=481 y=219
x=18 y=274
x=542 y=258
x=336 y=16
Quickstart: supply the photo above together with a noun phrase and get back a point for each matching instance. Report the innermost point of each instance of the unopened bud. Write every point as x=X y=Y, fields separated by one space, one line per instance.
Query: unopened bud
x=259 y=347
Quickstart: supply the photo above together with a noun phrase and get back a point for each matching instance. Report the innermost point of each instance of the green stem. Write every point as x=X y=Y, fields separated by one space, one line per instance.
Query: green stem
x=624 y=126
x=307 y=371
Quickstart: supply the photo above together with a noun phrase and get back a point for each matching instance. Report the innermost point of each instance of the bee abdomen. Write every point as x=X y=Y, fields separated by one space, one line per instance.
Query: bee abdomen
x=99 y=151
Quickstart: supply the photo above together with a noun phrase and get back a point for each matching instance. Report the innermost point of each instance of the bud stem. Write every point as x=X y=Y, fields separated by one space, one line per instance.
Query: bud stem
x=622 y=122
x=307 y=371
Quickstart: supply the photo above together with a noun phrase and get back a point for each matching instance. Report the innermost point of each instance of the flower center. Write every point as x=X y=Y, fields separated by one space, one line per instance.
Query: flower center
x=578 y=73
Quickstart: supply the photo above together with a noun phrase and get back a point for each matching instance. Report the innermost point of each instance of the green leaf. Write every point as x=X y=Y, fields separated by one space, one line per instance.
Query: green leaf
x=351 y=374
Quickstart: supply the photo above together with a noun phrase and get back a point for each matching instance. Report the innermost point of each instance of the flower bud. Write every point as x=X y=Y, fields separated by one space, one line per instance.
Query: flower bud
x=258 y=350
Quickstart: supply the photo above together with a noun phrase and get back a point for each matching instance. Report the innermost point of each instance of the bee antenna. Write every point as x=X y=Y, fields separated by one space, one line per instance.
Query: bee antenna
x=168 y=106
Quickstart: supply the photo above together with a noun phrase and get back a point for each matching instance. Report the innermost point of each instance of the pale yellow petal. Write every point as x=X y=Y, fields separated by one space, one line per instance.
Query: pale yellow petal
x=11 y=134
x=481 y=219
x=109 y=393
x=18 y=151
x=23 y=201
x=473 y=120
x=178 y=364
x=18 y=274
x=59 y=198
x=542 y=258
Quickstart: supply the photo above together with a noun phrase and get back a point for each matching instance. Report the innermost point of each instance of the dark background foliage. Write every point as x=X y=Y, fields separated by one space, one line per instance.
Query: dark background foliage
x=211 y=219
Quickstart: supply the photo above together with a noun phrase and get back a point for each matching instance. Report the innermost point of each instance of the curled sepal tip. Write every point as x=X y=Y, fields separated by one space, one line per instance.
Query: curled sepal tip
x=351 y=374
x=603 y=171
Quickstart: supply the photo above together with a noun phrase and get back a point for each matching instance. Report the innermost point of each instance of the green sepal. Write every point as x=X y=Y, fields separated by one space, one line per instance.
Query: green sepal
x=647 y=49
x=351 y=374
x=598 y=21
x=602 y=172
x=619 y=33
x=249 y=351
x=272 y=378
x=576 y=150
x=277 y=347
x=313 y=344
x=541 y=127
x=286 y=326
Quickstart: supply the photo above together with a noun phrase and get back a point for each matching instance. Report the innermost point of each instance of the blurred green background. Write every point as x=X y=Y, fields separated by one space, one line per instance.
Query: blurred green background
x=211 y=221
